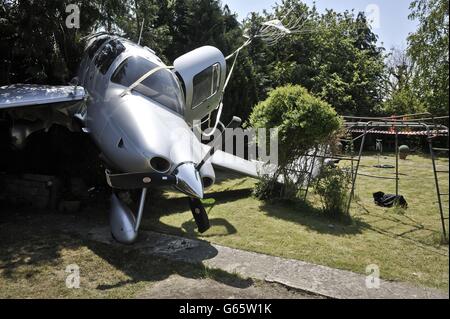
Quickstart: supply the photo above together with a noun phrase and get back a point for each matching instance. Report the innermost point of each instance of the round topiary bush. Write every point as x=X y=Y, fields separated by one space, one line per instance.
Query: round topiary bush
x=403 y=152
x=302 y=121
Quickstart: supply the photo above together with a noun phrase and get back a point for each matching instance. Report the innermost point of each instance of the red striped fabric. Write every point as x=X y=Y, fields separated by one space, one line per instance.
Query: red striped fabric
x=421 y=133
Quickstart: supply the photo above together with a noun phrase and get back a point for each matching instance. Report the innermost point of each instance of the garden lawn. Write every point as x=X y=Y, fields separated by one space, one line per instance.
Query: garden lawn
x=405 y=244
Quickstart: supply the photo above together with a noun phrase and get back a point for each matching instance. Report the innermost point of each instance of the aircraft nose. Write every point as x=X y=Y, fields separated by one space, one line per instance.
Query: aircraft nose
x=189 y=180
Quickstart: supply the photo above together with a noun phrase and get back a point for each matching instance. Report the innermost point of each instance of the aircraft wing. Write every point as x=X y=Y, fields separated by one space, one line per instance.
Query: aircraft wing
x=27 y=95
x=239 y=165
x=258 y=169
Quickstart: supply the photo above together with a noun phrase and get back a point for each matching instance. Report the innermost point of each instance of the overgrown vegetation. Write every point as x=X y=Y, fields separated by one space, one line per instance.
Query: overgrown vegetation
x=428 y=49
x=417 y=77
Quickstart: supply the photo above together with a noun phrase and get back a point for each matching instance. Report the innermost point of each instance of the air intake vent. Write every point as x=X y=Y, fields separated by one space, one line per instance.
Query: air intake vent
x=160 y=164
x=207 y=182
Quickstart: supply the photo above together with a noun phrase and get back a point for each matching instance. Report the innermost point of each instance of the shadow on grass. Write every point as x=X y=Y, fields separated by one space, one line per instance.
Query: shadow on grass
x=298 y=212
x=37 y=241
x=311 y=217
x=440 y=155
x=429 y=243
x=191 y=228
x=144 y=268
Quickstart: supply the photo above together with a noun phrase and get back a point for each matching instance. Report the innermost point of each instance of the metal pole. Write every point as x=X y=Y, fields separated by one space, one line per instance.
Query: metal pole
x=436 y=179
x=141 y=208
x=310 y=173
x=396 y=161
x=355 y=174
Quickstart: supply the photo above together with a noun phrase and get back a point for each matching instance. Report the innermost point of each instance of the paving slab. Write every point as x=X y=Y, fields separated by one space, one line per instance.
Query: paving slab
x=304 y=276
x=178 y=287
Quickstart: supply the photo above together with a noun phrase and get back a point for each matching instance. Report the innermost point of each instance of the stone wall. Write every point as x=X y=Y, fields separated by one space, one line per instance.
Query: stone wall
x=40 y=191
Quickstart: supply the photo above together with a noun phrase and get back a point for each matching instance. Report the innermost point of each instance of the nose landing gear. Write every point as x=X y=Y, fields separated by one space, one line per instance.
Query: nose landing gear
x=124 y=225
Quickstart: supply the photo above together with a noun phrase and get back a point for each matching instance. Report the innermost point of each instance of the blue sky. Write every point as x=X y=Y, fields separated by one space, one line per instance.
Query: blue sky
x=392 y=27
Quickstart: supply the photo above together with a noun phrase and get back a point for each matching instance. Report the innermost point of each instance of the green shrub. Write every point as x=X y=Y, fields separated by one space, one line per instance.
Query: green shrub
x=302 y=121
x=333 y=189
x=267 y=189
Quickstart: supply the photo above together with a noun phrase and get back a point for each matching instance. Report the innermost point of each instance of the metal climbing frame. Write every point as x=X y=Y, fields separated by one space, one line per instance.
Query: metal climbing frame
x=411 y=122
x=425 y=122
x=353 y=158
x=436 y=172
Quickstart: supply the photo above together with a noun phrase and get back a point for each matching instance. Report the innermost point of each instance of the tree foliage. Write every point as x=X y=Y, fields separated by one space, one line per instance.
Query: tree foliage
x=428 y=48
x=335 y=57
x=400 y=92
x=35 y=45
x=403 y=101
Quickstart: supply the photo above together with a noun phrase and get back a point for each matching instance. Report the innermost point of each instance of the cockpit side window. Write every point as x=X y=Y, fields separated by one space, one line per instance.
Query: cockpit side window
x=161 y=86
x=205 y=84
x=96 y=44
x=108 y=54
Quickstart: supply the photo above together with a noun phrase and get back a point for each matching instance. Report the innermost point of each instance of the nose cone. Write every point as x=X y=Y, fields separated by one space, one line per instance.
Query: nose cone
x=189 y=180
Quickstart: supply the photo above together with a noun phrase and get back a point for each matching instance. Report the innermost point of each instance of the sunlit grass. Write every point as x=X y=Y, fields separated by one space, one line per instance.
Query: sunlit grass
x=405 y=244
x=33 y=265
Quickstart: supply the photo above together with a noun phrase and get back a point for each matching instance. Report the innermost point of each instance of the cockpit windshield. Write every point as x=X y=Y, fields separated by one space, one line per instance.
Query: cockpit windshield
x=161 y=86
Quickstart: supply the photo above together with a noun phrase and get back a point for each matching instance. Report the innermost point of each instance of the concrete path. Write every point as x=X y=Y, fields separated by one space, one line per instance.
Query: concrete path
x=308 y=277
x=178 y=287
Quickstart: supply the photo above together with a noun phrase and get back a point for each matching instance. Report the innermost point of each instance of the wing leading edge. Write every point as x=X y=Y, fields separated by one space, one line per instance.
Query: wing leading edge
x=22 y=95
x=258 y=169
x=236 y=164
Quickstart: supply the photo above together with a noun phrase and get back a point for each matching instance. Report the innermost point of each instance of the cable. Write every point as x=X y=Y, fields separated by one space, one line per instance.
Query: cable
x=220 y=107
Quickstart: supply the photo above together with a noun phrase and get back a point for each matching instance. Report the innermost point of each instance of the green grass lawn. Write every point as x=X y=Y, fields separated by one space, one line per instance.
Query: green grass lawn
x=406 y=245
x=36 y=249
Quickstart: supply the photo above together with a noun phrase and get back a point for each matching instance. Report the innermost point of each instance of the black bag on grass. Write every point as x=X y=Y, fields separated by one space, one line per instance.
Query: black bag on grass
x=389 y=200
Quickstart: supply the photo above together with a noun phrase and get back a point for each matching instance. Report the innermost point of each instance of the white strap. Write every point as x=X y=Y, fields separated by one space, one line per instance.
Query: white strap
x=142 y=78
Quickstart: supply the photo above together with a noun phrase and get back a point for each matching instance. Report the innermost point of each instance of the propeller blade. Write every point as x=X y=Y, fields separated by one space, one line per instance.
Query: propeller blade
x=139 y=180
x=200 y=215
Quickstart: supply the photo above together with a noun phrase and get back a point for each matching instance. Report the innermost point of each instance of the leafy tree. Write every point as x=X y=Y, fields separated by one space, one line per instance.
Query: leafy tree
x=428 y=48
x=403 y=101
x=150 y=16
x=334 y=56
x=37 y=47
x=401 y=96
x=400 y=71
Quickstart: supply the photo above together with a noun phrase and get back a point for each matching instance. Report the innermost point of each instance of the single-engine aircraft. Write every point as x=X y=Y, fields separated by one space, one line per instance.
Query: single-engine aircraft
x=140 y=113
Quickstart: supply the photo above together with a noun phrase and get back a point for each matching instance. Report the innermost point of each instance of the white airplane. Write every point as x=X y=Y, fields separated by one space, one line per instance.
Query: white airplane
x=140 y=113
